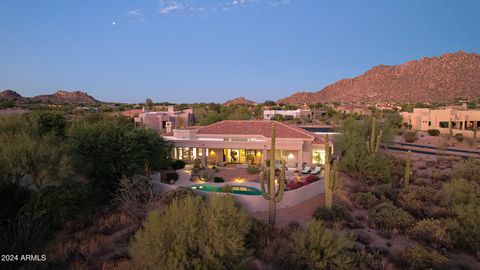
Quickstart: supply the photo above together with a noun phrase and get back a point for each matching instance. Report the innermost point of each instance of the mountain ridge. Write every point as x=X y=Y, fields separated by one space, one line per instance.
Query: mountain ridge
x=429 y=79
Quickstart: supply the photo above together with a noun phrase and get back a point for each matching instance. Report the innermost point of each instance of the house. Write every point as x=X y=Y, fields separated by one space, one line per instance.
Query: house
x=353 y=109
x=299 y=113
x=165 y=121
x=462 y=119
x=247 y=142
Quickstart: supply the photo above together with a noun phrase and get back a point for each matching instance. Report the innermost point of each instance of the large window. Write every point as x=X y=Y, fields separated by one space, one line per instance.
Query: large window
x=318 y=156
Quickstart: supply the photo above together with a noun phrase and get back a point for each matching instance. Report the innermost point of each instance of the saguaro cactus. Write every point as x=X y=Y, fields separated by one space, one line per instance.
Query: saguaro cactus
x=330 y=182
x=450 y=131
x=374 y=144
x=408 y=169
x=267 y=182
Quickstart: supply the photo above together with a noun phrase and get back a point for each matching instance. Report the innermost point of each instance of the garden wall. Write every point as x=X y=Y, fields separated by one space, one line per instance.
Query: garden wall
x=254 y=203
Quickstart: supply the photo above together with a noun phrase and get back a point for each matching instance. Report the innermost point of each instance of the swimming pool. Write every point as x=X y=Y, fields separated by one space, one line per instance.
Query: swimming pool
x=242 y=190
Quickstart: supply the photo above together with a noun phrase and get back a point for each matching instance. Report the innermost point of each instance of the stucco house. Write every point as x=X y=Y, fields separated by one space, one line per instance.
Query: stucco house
x=247 y=142
x=462 y=119
x=165 y=121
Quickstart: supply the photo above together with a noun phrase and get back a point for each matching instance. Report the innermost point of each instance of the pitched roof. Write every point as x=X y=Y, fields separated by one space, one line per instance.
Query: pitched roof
x=255 y=127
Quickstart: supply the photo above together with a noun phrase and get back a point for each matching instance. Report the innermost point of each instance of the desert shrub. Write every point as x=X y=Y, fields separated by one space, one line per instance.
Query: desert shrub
x=172 y=176
x=388 y=217
x=417 y=257
x=177 y=194
x=337 y=214
x=218 y=179
x=365 y=200
x=463 y=200
x=253 y=169
x=410 y=136
x=433 y=132
x=459 y=137
x=421 y=201
x=212 y=235
x=387 y=191
x=134 y=194
x=467 y=169
x=61 y=203
x=318 y=247
x=431 y=231
x=310 y=179
x=260 y=238
x=177 y=164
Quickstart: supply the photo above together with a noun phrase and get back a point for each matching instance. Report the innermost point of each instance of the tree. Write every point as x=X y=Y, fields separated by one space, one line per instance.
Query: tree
x=149 y=103
x=120 y=148
x=192 y=234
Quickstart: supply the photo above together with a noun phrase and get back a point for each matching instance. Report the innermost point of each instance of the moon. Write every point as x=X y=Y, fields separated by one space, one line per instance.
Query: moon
x=114 y=23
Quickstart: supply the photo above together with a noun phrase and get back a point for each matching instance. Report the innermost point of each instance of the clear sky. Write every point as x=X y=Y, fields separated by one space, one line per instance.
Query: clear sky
x=203 y=51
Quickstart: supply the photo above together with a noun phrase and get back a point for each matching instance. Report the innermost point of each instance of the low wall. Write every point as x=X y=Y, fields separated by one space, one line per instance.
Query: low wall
x=255 y=203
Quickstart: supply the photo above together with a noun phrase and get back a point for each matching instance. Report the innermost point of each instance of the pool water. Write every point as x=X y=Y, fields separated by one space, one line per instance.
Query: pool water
x=242 y=190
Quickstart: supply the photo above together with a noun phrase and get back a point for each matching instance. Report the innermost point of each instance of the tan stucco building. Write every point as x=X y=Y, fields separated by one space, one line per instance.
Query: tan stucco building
x=462 y=119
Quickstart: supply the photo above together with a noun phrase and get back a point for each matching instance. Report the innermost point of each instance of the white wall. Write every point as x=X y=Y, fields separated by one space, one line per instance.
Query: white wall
x=255 y=203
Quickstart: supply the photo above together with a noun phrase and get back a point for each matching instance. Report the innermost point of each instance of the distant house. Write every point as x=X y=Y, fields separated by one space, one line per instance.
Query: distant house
x=353 y=109
x=165 y=121
x=247 y=142
x=461 y=119
x=299 y=113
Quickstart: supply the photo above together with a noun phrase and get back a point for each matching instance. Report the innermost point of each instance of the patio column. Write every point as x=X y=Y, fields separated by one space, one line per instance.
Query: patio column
x=204 y=157
x=300 y=159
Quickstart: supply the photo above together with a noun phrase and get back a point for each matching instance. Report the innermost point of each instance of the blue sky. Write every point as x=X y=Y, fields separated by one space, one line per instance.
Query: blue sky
x=203 y=51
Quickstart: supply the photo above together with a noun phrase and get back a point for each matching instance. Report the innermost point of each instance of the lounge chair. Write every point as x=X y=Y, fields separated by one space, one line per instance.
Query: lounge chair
x=316 y=170
x=306 y=170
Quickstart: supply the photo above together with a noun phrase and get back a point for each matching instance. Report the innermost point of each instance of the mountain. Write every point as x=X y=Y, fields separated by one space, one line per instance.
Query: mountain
x=10 y=95
x=67 y=97
x=239 y=100
x=436 y=79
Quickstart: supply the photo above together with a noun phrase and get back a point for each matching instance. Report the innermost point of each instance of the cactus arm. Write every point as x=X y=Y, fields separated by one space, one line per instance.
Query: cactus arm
x=372 y=136
x=263 y=183
x=281 y=184
x=408 y=169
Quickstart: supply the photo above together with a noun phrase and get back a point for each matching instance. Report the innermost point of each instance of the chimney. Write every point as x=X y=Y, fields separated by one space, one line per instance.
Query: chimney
x=143 y=109
x=168 y=127
x=464 y=106
x=170 y=109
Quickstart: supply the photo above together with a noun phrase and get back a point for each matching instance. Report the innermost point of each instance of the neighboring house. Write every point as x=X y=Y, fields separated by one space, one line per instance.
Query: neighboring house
x=13 y=111
x=354 y=109
x=132 y=113
x=299 y=113
x=166 y=120
x=247 y=142
x=461 y=119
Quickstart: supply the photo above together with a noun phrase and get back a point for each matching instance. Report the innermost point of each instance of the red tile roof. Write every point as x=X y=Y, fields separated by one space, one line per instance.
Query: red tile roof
x=255 y=127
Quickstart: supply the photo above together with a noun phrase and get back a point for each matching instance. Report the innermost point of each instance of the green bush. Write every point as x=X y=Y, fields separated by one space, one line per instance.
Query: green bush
x=467 y=169
x=433 y=132
x=172 y=176
x=338 y=213
x=365 y=200
x=178 y=164
x=421 y=201
x=410 y=136
x=318 y=247
x=197 y=164
x=177 y=194
x=192 y=234
x=431 y=231
x=417 y=257
x=388 y=217
x=253 y=169
x=459 y=137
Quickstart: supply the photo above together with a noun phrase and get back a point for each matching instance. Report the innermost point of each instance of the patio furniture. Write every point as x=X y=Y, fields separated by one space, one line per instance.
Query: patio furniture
x=316 y=170
x=306 y=170
x=242 y=166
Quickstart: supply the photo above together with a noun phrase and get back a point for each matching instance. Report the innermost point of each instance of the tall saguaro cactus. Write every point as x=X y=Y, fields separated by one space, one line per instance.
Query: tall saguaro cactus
x=330 y=182
x=450 y=131
x=408 y=169
x=374 y=144
x=267 y=182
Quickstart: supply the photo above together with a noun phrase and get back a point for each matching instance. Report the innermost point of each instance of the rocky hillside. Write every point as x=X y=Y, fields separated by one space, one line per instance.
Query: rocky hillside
x=67 y=97
x=10 y=95
x=240 y=100
x=436 y=79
